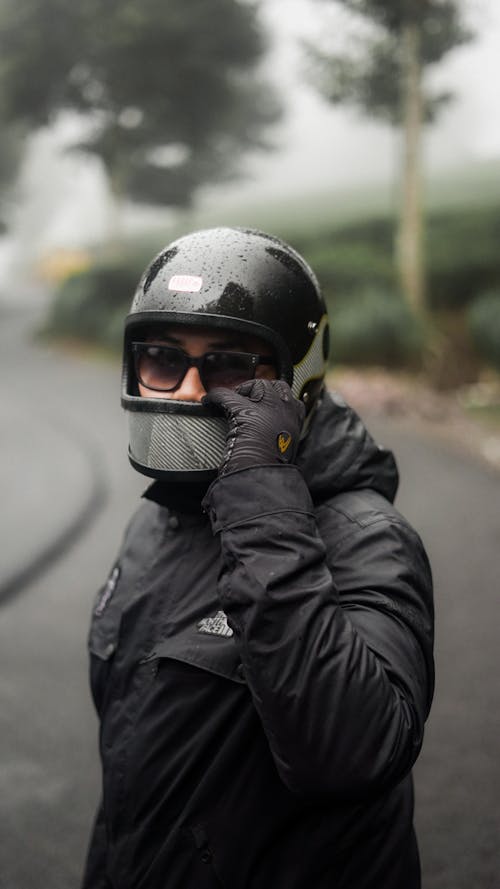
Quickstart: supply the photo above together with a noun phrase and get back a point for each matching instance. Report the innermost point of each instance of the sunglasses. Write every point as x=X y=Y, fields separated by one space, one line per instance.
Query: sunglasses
x=163 y=368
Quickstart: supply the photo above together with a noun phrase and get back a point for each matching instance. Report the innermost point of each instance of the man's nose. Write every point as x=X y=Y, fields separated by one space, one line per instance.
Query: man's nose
x=191 y=388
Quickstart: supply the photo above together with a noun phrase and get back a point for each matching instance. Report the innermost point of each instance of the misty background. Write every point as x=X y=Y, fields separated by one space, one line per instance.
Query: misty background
x=62 y=199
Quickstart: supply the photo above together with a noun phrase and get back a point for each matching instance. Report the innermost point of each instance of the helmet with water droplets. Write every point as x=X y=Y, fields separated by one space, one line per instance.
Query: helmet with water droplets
x=233 y=279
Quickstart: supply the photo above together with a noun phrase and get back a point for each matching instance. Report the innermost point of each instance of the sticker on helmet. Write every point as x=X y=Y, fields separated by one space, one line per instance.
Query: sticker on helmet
x=284 y=440
x=185 y=283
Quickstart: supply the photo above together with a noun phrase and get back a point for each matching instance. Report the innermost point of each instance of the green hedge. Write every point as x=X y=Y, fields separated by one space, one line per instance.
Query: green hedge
x=484 y=324
x=91 y=305
x=348 y=268
x=375 y=328
x=463 y=256
x=347 y=260
x=462 y=253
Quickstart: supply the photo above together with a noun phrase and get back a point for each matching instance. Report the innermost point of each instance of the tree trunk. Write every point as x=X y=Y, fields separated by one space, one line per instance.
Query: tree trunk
x=410 y=236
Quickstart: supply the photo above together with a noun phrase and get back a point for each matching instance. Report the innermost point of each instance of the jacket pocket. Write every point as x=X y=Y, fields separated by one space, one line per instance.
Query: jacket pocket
x=216 y=654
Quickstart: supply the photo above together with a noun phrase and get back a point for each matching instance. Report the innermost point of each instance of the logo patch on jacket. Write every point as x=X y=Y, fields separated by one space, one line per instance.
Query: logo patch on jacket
x=216 y=625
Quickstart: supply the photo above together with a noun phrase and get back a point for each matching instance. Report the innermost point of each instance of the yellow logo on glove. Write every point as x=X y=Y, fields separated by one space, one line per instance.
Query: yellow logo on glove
x=284 y=439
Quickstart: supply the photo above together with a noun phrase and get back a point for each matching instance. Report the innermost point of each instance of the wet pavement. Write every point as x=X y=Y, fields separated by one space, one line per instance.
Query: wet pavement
x=51 y=483
x=55 y=466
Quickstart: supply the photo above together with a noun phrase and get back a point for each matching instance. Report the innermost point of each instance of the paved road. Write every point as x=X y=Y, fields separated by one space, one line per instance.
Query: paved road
x=48 y=733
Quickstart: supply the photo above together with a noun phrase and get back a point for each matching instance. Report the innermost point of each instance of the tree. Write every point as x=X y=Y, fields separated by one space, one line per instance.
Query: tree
x=384 y=77
x=169 y=87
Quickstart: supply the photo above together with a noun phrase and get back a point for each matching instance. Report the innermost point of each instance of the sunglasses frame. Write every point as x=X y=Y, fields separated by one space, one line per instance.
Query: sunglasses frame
x=189 y=361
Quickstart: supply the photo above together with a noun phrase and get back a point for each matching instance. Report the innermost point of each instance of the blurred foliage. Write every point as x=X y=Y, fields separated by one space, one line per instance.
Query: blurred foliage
x=347 y=268
x=463 y=256
x=462 y=249
x=371 y=76
x=170 y=90
x=382 y=74
x=91 y=305
x=483 y=317
x=451 y=359
x=375 y=327
x=346 y=259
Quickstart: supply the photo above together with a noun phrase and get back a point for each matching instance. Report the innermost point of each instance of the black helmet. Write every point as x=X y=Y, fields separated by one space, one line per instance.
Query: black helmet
x=237 y=279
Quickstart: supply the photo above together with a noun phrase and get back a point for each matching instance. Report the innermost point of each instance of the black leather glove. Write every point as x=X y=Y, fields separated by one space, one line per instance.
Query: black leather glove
x=264 y=423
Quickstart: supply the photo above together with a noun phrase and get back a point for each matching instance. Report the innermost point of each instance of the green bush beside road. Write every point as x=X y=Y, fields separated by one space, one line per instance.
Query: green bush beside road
x=375 y=328
x=90 y=305
x=462 y=250
x=463 y=256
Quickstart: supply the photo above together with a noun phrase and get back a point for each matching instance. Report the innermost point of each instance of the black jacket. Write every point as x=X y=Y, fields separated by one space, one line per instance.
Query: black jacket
x=271 y=751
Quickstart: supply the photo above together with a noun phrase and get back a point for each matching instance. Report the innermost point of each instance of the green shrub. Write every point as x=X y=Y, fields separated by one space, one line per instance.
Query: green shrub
x=349 y=267
x=484 y=323
x=463 y=258
x=375 y=327
x=91 y=305
x=462 y=255
x=377 y=232
x=349 y=258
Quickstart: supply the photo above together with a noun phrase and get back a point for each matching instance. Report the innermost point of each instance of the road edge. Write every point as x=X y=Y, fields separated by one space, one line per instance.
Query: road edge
x=20 y=578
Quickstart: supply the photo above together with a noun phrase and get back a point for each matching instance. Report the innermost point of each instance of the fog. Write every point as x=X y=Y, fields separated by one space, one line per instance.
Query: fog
x=63 y=199
x=320 y=145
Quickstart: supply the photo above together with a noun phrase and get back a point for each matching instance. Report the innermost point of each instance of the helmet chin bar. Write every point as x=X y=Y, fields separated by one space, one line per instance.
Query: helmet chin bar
x=187 y=476
x=183 y=442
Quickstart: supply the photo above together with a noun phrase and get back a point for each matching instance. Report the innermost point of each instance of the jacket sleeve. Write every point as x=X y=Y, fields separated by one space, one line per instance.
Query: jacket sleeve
x=334 y=630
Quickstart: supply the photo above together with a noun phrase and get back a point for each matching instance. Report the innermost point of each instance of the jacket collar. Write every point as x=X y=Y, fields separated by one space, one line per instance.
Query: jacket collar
x=339 y=454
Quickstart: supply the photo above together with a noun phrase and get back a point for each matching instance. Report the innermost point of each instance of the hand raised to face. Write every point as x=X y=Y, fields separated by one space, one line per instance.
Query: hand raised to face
x=265 y=422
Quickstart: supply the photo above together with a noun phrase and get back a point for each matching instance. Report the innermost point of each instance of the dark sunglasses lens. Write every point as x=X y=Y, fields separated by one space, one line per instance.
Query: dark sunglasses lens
x=227 y=369
x=159 y=367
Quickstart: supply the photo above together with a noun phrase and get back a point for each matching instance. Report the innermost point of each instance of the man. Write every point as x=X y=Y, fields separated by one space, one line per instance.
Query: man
x=262 y=650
